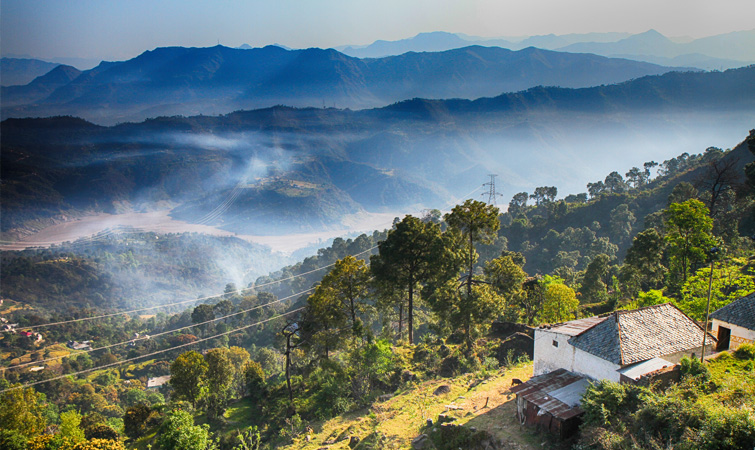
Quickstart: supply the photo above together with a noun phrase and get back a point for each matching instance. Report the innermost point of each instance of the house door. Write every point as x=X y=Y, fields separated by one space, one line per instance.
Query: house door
x=723 y=338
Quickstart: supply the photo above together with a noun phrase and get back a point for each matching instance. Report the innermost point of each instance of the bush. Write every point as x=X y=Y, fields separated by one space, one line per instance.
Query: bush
x=693 y=367
x=100 y=444
x=101 y=431
x=745 y=352
x=12 y=440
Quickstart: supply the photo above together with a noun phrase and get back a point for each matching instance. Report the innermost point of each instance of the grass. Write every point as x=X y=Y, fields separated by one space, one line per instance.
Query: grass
x=241 y=413
x=392 y=424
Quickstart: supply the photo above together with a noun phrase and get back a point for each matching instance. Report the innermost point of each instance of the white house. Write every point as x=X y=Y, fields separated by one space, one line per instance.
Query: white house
x=156 y=382
x=621 y=344
x=734 y=324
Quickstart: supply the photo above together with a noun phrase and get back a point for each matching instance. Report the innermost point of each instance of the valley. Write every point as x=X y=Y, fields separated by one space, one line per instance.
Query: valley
x=93 y=227
x=513 y=236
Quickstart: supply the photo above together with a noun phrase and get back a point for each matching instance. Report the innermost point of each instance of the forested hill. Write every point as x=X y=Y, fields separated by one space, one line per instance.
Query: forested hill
x=729 y=90
x=565 y=235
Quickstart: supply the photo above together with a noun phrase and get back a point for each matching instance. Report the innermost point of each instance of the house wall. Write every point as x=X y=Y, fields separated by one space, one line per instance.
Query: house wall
x=692 y=353
x=739 y=335
x=549 y=358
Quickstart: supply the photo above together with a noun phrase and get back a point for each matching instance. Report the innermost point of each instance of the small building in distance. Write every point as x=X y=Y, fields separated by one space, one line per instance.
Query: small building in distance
x=83 y=345
x=734 y=324
x=601 y=348
x=156 y=382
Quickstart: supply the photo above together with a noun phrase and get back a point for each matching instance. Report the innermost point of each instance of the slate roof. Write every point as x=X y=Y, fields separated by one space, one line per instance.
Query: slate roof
x=740 y=312
x=628 y=337
x=566 y=385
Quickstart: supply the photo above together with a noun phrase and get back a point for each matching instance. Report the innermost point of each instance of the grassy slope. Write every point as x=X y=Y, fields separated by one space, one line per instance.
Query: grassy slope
x=394 y=423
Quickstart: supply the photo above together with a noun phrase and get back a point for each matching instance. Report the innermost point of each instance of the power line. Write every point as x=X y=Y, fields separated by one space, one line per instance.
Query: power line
x=162 y=333
x=117 y=363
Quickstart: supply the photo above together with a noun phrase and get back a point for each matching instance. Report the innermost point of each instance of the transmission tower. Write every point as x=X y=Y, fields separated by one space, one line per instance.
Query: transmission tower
x=492 y=194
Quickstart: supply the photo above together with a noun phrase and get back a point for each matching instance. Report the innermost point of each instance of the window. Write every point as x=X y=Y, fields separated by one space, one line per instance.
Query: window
x=555 y=343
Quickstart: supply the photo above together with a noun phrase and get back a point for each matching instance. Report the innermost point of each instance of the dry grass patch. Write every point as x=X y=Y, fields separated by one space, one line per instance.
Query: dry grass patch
x=392 y=424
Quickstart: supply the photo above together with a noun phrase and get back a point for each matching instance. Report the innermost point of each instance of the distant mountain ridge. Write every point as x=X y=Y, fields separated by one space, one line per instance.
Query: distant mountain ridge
x=723 y=51
x=215 y=80
x=20 y=71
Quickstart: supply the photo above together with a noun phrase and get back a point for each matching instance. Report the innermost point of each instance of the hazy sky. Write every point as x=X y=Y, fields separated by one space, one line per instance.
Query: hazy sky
x=116 y=30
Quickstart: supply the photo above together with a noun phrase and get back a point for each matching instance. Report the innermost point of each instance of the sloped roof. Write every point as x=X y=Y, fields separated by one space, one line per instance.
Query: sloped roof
x=740 y=312
x=627 y=337
x=558 y=392
x=574 y=327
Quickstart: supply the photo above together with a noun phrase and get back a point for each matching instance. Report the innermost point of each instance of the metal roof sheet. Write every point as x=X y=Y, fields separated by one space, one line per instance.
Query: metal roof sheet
x=575 y=327
x=539 y=391
x=572 y=393
x=636 y=371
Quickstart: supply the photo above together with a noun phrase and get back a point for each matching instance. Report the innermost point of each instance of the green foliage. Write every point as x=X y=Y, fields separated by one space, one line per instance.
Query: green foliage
x=248 y=439
x=69 y=426
x=412 y=253
x=560 y=302
x=21 y=410
x=338 y=306
x=594 y=288
x=730 y=282
x=101 y=431
x=219 y=377
x=178 y=432
x=135 y=420
x=606 y=402
x=100 y=444
x=12 y=440
x=254 y=377
x=745 y=351
x=694 y=414
x=643 y=265
x=693 y=367
x=689 y=238
x=187 y=376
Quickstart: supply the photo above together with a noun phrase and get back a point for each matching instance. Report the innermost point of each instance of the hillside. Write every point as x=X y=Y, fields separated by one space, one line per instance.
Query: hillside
x=474 y=401
x=126 y=269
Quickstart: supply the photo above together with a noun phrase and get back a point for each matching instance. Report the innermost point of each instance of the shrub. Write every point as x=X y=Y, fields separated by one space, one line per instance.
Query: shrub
x=100 y=444
x=693 y=367
x=745 y=351
x=101 y=431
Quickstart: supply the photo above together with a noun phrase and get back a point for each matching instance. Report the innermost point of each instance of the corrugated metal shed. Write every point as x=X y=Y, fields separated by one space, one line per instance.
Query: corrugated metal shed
x=551 y=401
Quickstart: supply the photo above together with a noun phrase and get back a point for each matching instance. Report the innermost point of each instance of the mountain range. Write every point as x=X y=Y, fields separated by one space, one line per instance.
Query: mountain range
x=19 y=71
x=284 y=169
x=216 y=80
x=718 y=52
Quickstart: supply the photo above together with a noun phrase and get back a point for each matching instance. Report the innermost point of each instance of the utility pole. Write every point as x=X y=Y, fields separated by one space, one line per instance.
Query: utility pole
x=492 y=194
x=712 y=255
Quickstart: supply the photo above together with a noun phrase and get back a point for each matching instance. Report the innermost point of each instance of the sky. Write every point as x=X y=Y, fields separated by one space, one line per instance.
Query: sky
x=122 y=29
